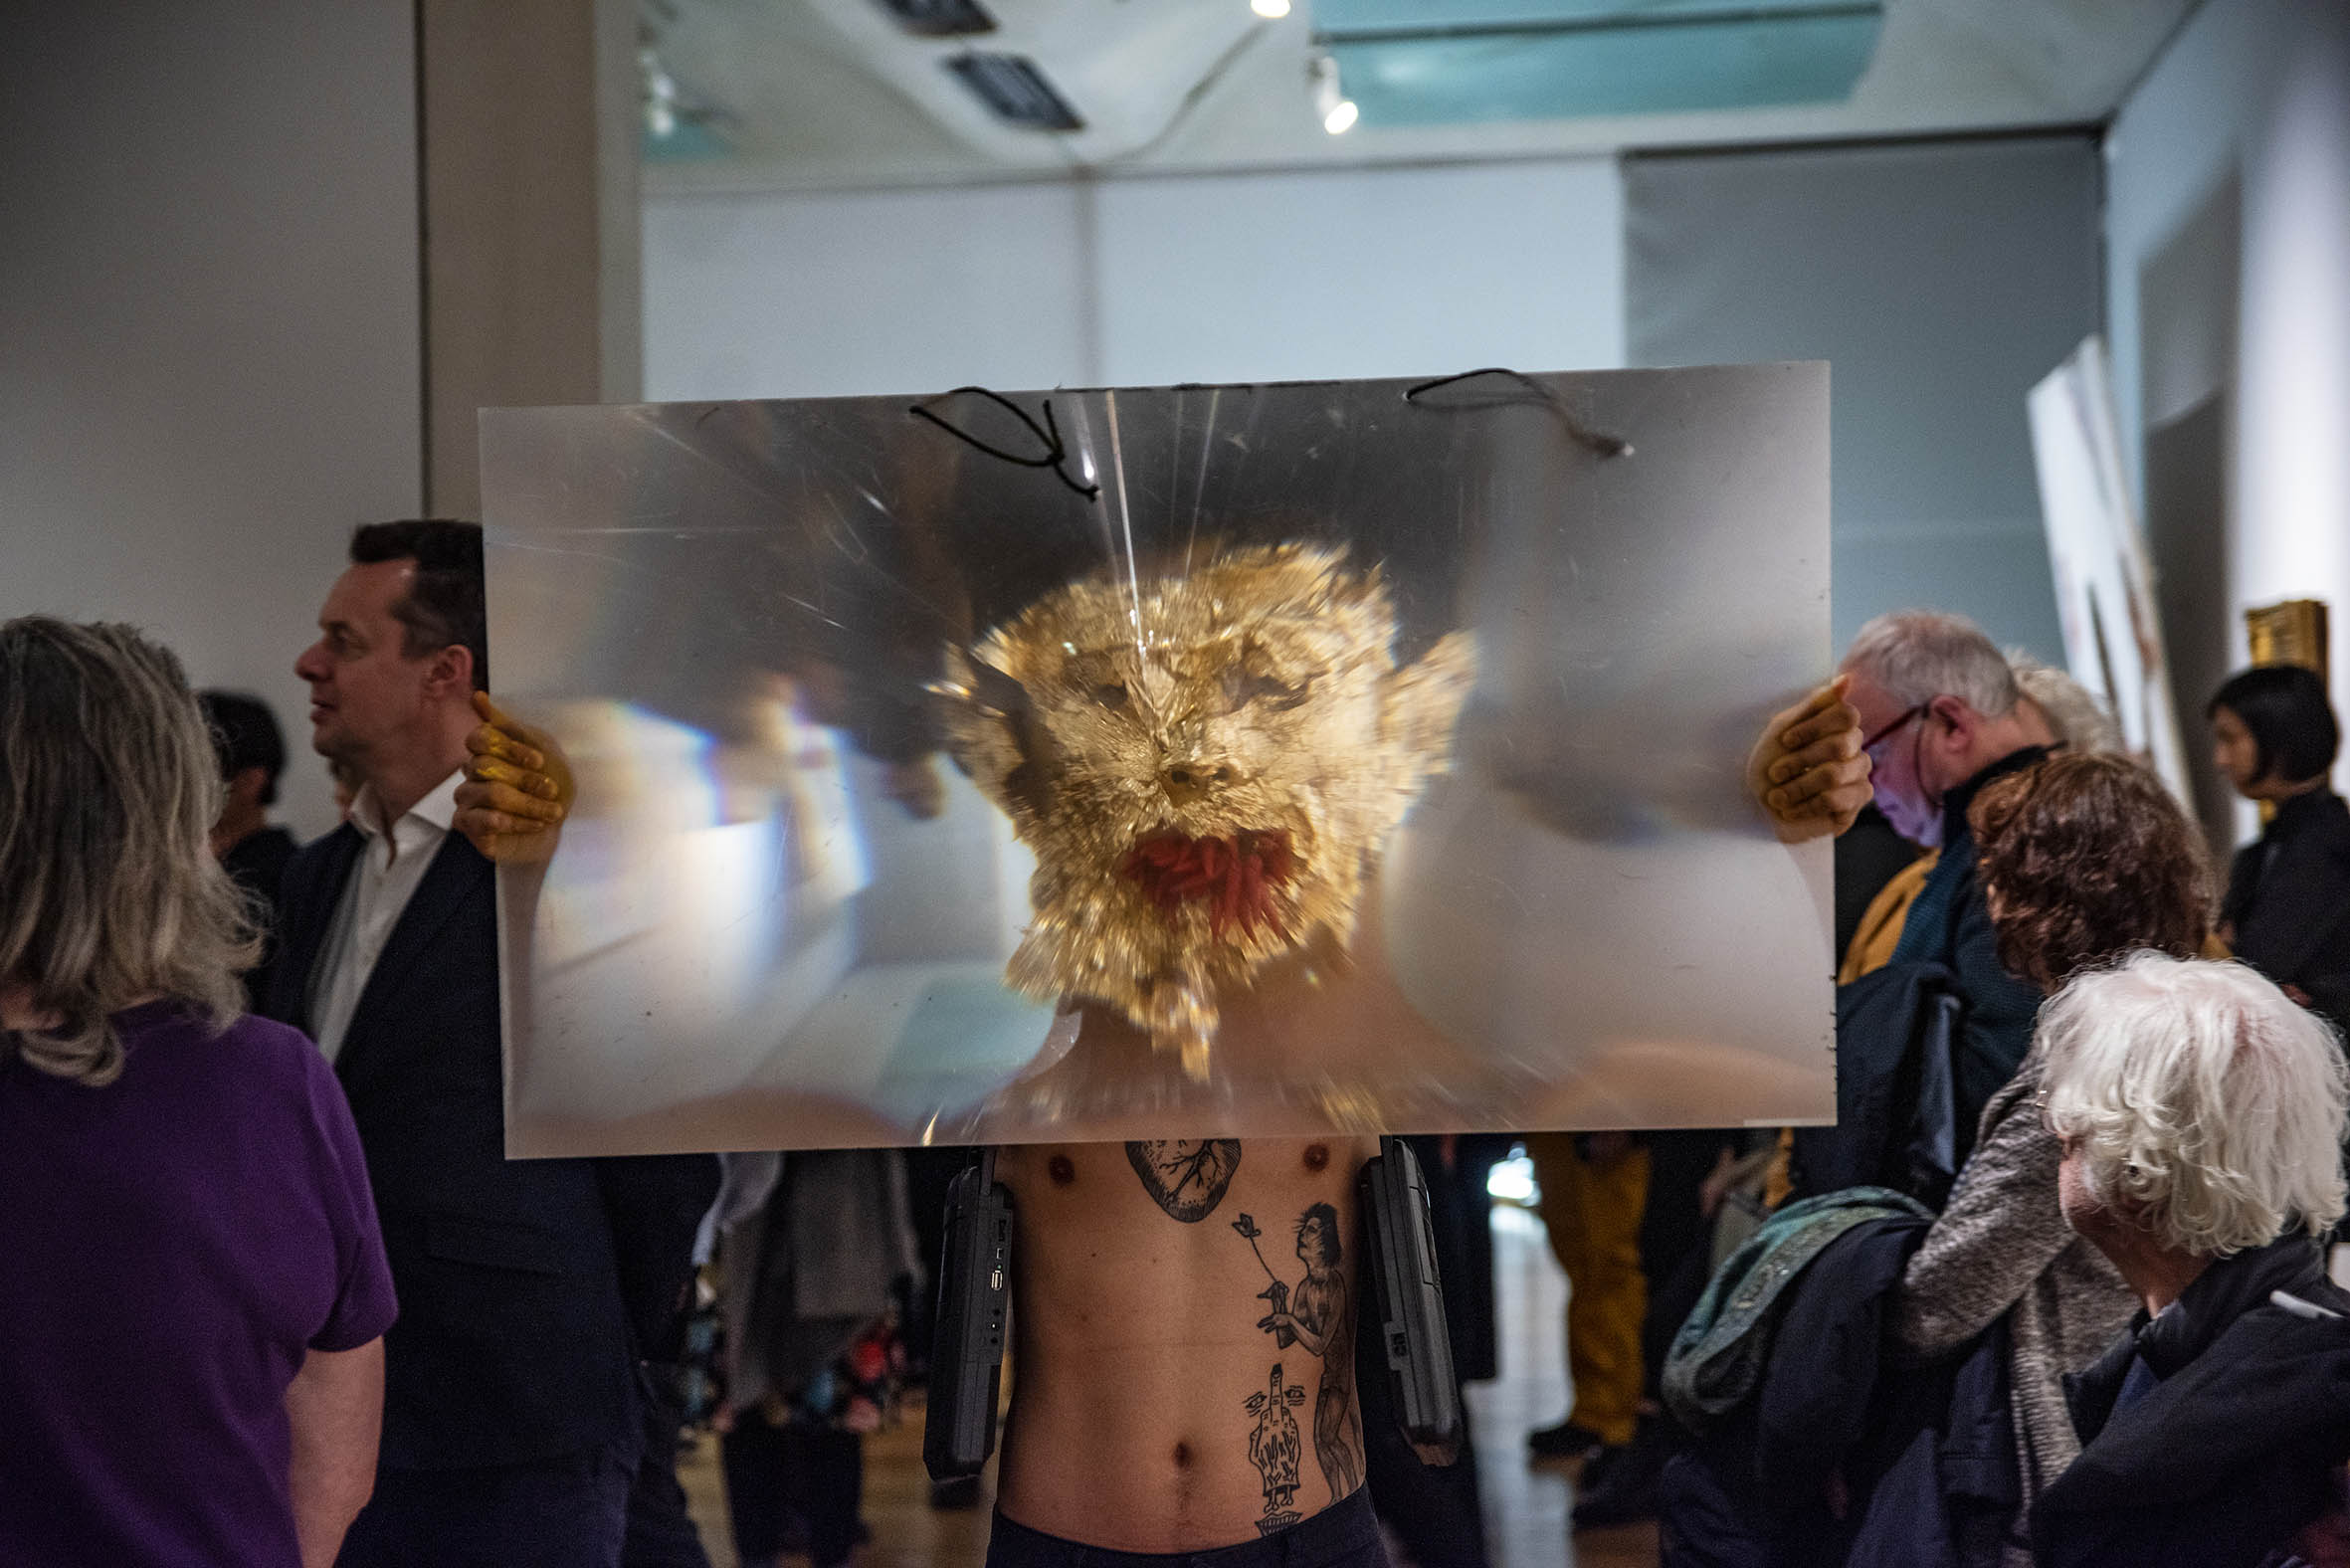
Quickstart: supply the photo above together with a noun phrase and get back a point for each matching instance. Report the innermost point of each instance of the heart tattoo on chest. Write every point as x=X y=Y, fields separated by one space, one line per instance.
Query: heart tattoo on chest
x=1186 y=1177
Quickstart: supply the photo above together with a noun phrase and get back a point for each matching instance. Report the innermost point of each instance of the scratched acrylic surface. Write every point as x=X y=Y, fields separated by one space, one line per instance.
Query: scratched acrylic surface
x=1249 y=761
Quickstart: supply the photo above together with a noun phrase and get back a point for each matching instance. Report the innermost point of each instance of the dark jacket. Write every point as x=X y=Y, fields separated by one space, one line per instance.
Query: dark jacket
x=1950 y=925
x=2289 y=897
x=527 y=1286
x=1752 y=1494
x=1898 y=1036
x=2239 y=1446
x=257 y=865
x=1922 y=1458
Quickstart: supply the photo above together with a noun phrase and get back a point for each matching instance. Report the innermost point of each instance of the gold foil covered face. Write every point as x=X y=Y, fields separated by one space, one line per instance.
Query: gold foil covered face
x=1206 y=767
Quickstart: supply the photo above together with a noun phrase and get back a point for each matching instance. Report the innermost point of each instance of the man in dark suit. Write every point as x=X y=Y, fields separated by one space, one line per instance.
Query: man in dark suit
x=528 y=1289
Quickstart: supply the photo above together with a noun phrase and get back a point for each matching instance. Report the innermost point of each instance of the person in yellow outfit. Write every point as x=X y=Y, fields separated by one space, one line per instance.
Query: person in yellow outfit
x=1594 y=1190
x=1809 y=775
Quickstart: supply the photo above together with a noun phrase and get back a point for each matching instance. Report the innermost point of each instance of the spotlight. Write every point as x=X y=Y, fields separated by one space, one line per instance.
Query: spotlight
x=658 y=93
x=1330 y=101
x=1271 y=10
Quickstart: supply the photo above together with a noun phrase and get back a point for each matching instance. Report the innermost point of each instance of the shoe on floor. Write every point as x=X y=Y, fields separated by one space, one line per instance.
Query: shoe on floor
x=1562 y=1441
x=1619 y=1485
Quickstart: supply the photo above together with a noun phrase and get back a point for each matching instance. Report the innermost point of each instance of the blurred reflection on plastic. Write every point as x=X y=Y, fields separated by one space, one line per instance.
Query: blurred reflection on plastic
x=1199 y=761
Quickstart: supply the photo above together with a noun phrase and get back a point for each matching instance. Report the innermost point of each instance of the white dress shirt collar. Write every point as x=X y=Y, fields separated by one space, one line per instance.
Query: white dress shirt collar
x=438 y=811
x=391 y=867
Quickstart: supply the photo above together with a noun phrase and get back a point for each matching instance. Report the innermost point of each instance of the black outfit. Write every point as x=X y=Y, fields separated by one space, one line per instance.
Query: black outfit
x=2289 y=897
x=791 y=1486
x=1433 y=1508
x=1752 y=1494
x=257 y=865
x=527 y=1286
x=2236 y=1444
x=1950 y=925
x=1344 y=1535
x=1897 y=1033
x=661 y=1532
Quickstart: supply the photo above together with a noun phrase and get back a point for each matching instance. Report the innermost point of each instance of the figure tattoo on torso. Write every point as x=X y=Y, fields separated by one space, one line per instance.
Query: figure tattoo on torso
x=1207 y=766
x=1317 y=1315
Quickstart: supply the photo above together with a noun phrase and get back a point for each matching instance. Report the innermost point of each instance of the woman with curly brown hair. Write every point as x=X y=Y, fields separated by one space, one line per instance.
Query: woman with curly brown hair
x=2086 y=859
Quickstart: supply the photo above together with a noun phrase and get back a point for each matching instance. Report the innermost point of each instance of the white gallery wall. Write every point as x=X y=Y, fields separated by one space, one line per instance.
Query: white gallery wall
x=1940 y=279
x=209 y=312
x=2227 y=286
x=1146 y=280
x=1943 y=279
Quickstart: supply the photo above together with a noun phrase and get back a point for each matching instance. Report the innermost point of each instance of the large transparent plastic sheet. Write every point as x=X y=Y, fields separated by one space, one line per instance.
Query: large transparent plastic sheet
x=1238 y=761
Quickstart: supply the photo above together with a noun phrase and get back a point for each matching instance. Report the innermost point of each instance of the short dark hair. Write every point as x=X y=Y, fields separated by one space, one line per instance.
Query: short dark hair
x=2284 y=706
x=2090 y=858
x=443 y=607
x=245 y=734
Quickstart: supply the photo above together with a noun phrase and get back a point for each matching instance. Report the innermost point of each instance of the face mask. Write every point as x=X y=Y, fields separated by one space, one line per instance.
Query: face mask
x=1913 y=819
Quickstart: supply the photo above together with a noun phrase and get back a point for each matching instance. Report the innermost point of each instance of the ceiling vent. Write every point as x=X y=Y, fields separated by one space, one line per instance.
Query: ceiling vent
x=1016 y=92
x=940 y=18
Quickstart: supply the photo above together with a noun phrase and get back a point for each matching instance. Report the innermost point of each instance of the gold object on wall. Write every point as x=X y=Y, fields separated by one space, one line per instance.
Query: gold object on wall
x=2291 y=633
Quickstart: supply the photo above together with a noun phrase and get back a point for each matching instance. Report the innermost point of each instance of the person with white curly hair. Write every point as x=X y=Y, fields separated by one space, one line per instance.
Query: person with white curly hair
x=2200 y=1114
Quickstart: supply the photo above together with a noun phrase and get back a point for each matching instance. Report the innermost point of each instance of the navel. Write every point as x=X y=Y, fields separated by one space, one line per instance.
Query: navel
x=1061 y=1170
x=1317 y=1155
x=1183 y=1455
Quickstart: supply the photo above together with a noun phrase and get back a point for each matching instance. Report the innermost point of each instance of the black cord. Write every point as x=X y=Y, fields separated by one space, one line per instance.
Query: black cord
x=1047 y=435
x=1605 y=445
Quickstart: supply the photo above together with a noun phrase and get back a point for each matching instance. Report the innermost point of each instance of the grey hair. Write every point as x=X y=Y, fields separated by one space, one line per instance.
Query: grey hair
x=2077 y=715
x=109 y=893
x=2208 y=1107
x=1917 y=656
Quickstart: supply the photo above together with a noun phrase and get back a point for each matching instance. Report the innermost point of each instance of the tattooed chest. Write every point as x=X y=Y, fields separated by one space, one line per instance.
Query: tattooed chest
x=1308 y=1304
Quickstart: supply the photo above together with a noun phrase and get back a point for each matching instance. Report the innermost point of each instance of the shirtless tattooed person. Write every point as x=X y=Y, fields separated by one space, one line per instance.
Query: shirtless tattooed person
x=1179 y=1386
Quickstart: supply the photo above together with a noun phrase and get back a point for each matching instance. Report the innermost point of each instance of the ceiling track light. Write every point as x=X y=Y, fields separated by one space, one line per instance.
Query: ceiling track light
x=1271 y=10
x=658 y=92
x=1336 y=110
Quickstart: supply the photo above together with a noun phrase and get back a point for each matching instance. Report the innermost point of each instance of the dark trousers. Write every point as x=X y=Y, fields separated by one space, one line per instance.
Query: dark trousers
x=1433 y=1508
x=775 y=1473
x=660 y=1531
x=1344 y=1535
x=568 y=1513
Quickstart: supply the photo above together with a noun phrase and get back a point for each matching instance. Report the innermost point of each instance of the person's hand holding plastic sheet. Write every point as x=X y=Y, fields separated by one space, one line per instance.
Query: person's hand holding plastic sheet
x=517 y=789
x=1809 y=770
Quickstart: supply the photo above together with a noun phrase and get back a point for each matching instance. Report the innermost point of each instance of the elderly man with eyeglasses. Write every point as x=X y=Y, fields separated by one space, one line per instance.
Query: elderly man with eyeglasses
x=1927 y=710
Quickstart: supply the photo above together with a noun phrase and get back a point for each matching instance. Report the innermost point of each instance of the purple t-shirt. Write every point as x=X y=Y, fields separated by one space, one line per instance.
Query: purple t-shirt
x=170 y=1247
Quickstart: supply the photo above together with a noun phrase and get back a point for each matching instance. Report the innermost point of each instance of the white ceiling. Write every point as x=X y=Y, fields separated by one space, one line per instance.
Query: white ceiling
x=831 y=94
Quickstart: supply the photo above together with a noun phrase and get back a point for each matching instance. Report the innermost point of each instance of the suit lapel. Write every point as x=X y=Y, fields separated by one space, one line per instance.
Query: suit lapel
x=457 y=872
x=307 y=921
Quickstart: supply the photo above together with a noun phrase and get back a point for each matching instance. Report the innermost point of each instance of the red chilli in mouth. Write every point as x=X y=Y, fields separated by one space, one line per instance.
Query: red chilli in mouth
x=1236 y=875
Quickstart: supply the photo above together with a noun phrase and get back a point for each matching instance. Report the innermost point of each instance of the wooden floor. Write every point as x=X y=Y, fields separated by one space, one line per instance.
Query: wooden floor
x=1525 y=1504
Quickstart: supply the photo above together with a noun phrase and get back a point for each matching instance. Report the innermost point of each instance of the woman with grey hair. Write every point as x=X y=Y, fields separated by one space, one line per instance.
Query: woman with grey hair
x=2084 y=860
x=191 y=1355
x=2076 y=715
x=2201 y=1116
